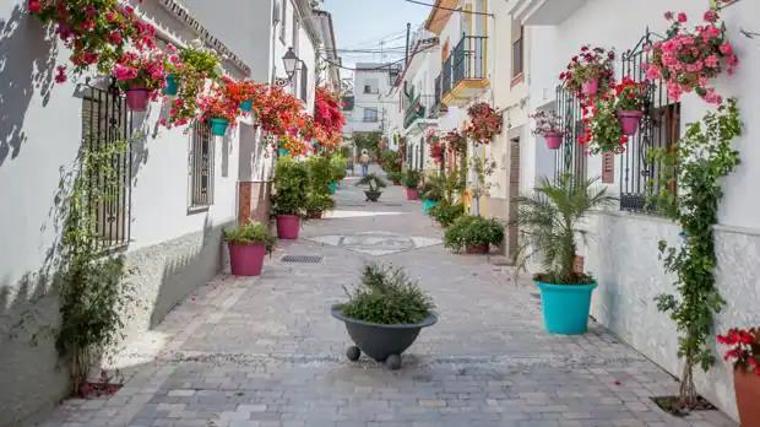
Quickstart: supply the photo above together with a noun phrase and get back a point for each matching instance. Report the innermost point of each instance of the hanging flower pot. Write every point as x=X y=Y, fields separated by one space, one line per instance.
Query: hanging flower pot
x=138 y=99
x=590 y=87
x=171 y=88
x=282 y=152
x=218 y=126
x=246 y=106
x=553 y=140
x=629 y=121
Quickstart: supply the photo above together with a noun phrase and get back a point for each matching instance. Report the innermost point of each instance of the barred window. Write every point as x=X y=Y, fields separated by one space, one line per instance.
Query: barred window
x=202 y=166
x=571 y=156
x=106 y=130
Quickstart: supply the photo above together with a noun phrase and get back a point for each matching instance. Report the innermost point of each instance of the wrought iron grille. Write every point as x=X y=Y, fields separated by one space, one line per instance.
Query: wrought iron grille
x=202 y=166
x=106 y=125
x=469 y=59
x=571 y=156
x=641 y=176
x=446 y=77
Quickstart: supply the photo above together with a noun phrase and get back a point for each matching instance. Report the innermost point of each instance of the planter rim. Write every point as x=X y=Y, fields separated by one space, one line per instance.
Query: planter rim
x=289 y=215
x=550 y=134
x=432 y=318
x=230 y=242
x=568 y=287
x=630 y=113
x=218 y=120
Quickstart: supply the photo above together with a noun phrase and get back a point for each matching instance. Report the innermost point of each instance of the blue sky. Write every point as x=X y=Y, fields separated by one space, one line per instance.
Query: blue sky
x=361 y=24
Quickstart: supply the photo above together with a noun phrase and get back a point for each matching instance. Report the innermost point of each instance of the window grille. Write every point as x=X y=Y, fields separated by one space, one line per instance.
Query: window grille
x=202 y=166
x=106 y=131
x=571 y=156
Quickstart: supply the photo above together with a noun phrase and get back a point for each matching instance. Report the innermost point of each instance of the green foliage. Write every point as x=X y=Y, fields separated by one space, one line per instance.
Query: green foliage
x=318 y=202
x=338 y=165
x=390 y=161
x=248 y=233
x=387 y=296
x=473 y=231
x=291 y=185
x=396 y=176
x=412 y=178
x=369 y=141
x=548 y=222
x=662 y=192
x=434 y=187
x=706 y=156
x=374 y=182
x=320 y=174
x=445 y=212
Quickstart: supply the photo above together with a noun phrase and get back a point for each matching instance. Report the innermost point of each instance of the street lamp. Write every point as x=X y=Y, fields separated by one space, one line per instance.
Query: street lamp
x=290 y=60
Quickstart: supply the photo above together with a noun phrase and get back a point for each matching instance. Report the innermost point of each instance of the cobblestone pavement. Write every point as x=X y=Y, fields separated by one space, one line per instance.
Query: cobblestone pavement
x=265 y=352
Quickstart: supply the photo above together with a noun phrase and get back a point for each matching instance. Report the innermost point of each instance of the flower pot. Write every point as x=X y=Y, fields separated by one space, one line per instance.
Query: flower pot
x=565 y=307
x=283 y=152
x=218 y=126
x=384 y=343
x=480 y=249
x=246 y=106
x=314 y=214
x=332 y=187
x=288 y=226
x=372 y=196
x=246 y=260
x=629 y=121
x=412 y=194
x=171 y=88
x=747 y=387
x=553 y=140
x=428 y=204
x=590 y=87
x=138 y=99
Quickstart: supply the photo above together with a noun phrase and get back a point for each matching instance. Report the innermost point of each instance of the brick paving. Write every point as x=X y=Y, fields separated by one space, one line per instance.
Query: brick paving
x=265 y=352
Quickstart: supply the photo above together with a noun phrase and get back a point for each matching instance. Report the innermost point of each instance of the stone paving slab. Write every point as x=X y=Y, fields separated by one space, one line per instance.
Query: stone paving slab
x=265 y=352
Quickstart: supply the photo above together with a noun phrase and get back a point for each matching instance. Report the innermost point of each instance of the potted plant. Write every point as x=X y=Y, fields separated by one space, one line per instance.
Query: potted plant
x=338 y=165
x=291 y=183
x=140 y=75
x=744 y=352
x=395 y=177
x=384 y=314
x=375 y=183
x=630 y=101
x=485 y=123
x=411 y=181
x=432 y=191
x=548 y=221
x=317 y=203
x=445 y=212
x=247 y=245
x=602 y=132
x=549 y=126
x=219 y=111
x=589 y=72
x=190 y=68
x=474 y=234
x=243 y=93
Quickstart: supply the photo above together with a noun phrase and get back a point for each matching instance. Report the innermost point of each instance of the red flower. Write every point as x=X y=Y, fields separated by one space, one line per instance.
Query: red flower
x=35 y=6
x=711 y=16
x=682 y=17
x=60 y=75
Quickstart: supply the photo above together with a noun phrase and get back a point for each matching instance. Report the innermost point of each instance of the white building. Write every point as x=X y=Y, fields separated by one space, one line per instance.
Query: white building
x=181 y=187
x=371 y=102
x=622 y=250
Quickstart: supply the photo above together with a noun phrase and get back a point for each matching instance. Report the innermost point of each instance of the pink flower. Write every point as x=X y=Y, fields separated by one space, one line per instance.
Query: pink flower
x=653 y=72
x=682 y=17
x=711 y=61
x=60 y=75
x=669 y=15
x=711 y=16
x=124 y=73
x=726 y=48
x=115 y=38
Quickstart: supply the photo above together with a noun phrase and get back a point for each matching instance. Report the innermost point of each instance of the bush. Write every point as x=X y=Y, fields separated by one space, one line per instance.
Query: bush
x=390 y=161
x=411 y=178
x=446 y=213
x=472 y=231
x=252 y=232
x=434 y=187
x=291 y=182
x=338 y=165
x=318 y=202
x=396 y=176
x=320 y=174
x=387 y=296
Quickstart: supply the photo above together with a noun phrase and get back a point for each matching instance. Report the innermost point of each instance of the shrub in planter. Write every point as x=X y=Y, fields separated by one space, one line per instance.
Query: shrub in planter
x=395 y=177
x=375 y=183
x=445 y=213
x=338 y=165
x=548 y=222
x=744 y=352
x=549 y=126
x=291 y=184
x=411 y=181
x=317 y=203
x=385 y=314
x=247 y=245
x=432 y=191
x=320 y=173
x=474 y=234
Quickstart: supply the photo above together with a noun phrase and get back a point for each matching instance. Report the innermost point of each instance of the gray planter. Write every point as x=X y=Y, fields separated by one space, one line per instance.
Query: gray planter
x=384 y=343
x=372 y=196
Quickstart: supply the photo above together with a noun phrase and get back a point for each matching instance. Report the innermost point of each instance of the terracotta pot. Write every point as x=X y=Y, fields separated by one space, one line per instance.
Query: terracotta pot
x=138 y=99
x=629 y=121
x=747 y=387
x=412 y=194
x=590 y=87
x=553 y=140
x=288 y=226
x=314 y=215
x=246 y=260
x=477 y=249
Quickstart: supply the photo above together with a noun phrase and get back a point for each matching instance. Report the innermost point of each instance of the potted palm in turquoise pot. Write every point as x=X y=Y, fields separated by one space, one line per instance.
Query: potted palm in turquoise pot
x=432 y=191
x=549 y=221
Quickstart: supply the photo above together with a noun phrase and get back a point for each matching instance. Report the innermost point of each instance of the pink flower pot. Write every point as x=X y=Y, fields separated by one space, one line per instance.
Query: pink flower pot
x=246 y=260
x=590 y=87
x=412 y=194
x=553 y=140
x=288 y=226
x=629 y=121
x=138 y=99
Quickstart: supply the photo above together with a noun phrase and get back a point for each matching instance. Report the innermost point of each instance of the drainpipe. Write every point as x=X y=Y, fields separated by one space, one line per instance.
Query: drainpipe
x=406 y=55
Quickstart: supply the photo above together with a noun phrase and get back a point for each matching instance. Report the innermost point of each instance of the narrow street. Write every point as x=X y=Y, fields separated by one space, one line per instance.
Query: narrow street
x=266 y=352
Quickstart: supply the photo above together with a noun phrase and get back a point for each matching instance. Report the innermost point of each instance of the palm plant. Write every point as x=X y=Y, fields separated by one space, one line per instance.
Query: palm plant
x=374 y=182
x=548 y=222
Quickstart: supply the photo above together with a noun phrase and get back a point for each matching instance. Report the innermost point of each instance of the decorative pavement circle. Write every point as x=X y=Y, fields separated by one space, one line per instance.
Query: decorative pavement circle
x=377 y=243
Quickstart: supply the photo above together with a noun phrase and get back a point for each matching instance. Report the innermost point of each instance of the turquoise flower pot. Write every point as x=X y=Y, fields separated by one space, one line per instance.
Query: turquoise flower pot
x=283 y=152
x=566 y=307
x=428 y=204
x=333 y=187
x=246 y=106
x=219 y=126
x=171 y=87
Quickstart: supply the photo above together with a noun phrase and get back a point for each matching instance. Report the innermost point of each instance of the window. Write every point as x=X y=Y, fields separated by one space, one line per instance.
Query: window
x=371 y=86
x=370 y=115
x=201 y=166
x=106 y=129
x=517 y=52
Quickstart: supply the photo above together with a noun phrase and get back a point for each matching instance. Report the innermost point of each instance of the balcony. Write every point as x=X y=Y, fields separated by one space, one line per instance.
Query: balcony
x=464 y=72
x=421 y=108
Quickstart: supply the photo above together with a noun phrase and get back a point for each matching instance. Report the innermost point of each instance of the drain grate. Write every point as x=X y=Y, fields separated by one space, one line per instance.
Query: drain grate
x=302 y=259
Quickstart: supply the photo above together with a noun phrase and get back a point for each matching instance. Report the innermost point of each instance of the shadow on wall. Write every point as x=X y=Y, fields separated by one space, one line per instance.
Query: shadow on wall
x=27 y=62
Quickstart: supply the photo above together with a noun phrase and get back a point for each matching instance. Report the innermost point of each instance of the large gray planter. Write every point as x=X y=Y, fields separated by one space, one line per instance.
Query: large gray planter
x=384 y=343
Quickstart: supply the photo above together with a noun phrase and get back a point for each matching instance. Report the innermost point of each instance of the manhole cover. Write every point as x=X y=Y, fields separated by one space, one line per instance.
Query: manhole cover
x=302 y=259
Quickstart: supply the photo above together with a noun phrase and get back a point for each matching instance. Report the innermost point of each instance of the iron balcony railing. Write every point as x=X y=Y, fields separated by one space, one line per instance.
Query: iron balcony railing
x=466 y=62
x=420 y=107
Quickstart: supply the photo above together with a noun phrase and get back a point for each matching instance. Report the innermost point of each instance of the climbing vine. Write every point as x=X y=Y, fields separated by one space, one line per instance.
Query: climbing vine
x=705 y=156
x=90 y=284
